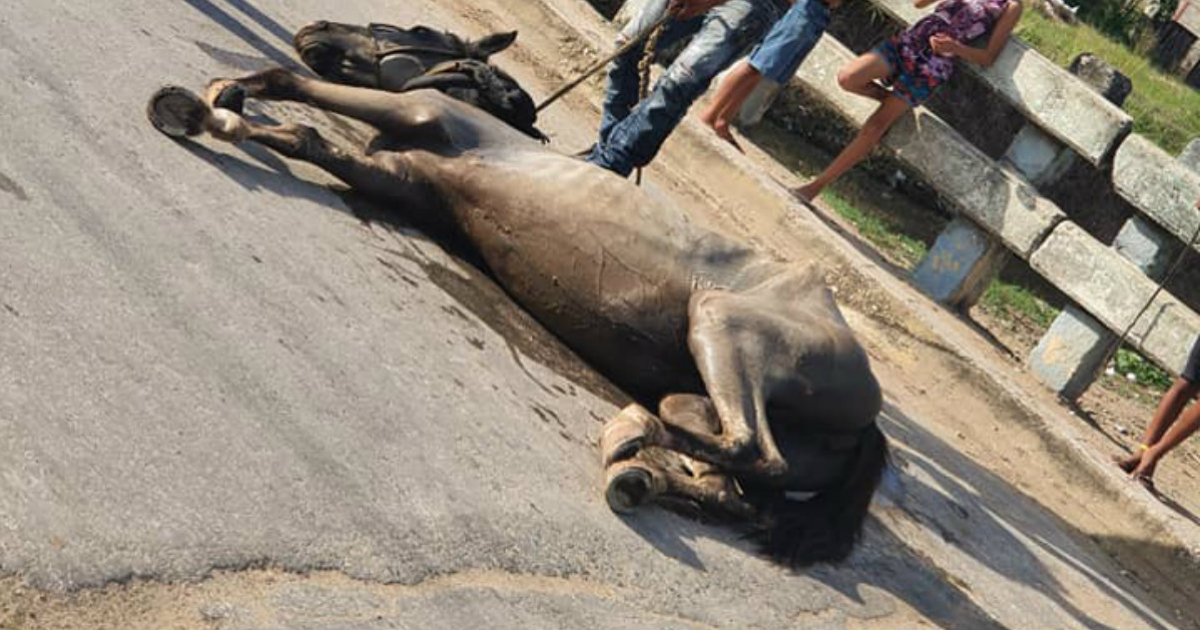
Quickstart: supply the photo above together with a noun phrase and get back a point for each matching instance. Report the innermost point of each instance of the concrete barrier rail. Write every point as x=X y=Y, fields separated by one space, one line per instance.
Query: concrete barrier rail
x=1160 y=186
x=1113 y=290
x=1001 y=210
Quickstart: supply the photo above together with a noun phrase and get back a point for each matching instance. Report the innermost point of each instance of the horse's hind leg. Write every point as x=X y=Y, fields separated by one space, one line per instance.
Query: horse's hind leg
x=400 y=114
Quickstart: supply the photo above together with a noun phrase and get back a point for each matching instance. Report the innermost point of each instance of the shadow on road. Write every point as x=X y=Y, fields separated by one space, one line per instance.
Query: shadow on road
x=241 y=31
x=997 y=525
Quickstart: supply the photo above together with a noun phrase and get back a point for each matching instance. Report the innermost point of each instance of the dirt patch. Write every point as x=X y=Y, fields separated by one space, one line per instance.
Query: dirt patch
x=258 y=598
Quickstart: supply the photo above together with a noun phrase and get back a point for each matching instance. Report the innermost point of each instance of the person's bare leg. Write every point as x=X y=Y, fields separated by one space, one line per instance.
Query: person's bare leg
x=731 y=95
x=868 y=137
x=1170 y=426
x=860 y=76
x=1169 y=407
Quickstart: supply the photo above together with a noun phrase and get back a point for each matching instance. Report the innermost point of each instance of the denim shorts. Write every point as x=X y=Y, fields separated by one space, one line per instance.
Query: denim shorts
x=911 y=85
x=1191 y=372
x=790 y=40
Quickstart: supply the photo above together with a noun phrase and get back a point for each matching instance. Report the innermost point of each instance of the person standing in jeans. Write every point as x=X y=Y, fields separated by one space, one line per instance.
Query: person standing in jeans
x=777 y=58
x=632 y=132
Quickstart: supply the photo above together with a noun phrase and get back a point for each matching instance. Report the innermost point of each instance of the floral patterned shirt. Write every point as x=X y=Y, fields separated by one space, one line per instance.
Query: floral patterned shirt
x=964 y=20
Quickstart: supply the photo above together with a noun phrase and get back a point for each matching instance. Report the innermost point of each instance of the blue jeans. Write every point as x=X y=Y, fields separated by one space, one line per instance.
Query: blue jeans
x=631 y=136
x=791 y=39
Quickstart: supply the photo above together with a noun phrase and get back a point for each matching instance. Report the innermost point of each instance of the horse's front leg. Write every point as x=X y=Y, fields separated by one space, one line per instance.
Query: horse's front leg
x=386 y=175
x=733 y=351
x=639 y=481
x=634 y=480
x=408 y=117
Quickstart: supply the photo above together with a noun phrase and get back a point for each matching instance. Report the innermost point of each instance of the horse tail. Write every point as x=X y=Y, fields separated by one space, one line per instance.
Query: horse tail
x=826 y=527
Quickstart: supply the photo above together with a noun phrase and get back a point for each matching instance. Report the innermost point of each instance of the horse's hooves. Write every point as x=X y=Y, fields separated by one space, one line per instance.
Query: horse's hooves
x=626 y=434
x=630 y=484
x=176 y=112
x=229 y=95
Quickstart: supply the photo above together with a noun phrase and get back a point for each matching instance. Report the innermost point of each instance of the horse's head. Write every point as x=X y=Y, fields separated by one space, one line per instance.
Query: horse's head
x=383 y=56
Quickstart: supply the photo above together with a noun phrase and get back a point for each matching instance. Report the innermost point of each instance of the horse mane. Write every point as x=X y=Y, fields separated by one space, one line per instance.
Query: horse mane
x=826 y=527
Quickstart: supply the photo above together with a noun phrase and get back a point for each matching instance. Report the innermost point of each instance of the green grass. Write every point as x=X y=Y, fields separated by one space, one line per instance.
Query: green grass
x=878 y=228
x=1164 y=109
x=1148 y=374
x=1012 y=301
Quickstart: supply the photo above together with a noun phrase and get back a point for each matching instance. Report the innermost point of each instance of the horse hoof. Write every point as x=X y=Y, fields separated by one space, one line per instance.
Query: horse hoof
x=177 y=112
x=226 y=94
x=631 y=484
x=627 y=433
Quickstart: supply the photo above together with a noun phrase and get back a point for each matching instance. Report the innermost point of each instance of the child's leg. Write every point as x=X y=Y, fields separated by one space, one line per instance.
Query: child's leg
x=860 y=76
x=1165 y=415
x=731 y=95
x=733 y=91
x=747 y=79
x=1187 y=424
x=892 y=108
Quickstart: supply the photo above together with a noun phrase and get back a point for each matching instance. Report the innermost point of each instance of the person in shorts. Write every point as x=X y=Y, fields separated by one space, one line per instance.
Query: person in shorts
x=912 y=65
x=775 y=59
x=1171 y=424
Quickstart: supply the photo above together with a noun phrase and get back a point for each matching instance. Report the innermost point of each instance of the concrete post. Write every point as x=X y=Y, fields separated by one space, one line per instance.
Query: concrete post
x=962 y=263
x=759 y=102
x=1190 y=156
x=1069 y=355
x=1041 y=158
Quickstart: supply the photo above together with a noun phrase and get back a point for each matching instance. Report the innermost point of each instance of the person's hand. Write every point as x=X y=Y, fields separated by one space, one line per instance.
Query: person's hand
x=944 y=45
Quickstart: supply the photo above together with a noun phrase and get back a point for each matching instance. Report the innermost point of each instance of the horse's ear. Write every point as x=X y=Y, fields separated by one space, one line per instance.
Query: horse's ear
x=493 y=43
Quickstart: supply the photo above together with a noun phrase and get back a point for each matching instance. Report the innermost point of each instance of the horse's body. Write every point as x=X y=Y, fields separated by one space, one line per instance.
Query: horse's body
x=759 y=377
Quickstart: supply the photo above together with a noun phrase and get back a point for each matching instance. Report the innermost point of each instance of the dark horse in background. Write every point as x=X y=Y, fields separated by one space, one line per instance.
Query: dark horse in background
x=387 y=57
x=762 y=391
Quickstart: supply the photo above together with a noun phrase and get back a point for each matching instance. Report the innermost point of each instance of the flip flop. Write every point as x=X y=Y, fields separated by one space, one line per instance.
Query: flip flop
x=630 y=485
x=177 y=112
x=1147 y=482
x=795 y=193
x=626 y=434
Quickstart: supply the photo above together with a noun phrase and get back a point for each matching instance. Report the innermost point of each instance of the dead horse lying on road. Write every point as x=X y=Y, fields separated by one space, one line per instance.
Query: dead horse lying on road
x=760 y=381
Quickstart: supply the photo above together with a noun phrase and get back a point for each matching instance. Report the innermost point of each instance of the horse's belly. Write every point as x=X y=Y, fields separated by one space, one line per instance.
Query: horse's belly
x=594 y=261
